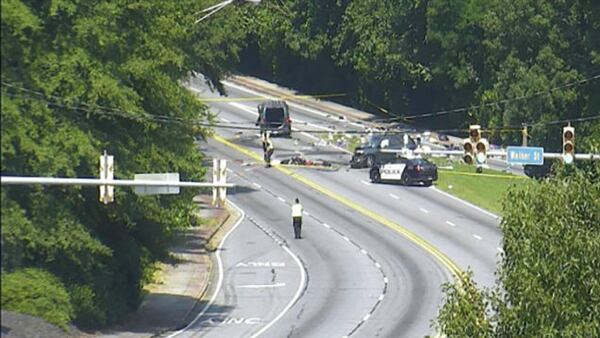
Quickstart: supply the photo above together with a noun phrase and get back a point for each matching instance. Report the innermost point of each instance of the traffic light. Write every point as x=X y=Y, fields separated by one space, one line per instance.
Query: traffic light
x=107 y=192
x=468 y=147
x=568 y=148
x=481 y=149
x=470 y=143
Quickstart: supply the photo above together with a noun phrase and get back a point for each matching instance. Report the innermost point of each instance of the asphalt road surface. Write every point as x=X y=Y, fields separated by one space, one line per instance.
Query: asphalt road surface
x=352 y=273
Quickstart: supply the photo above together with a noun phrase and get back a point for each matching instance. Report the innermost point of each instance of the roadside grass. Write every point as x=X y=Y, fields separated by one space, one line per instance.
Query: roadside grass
x=485 y=190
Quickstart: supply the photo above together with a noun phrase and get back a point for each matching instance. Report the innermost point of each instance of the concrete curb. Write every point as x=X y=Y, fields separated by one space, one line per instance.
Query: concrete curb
x=232 y=217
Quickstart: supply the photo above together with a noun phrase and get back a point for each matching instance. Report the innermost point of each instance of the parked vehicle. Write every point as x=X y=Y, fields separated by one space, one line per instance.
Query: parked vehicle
x=274 y=116
x=403 y=170
x=365 y=154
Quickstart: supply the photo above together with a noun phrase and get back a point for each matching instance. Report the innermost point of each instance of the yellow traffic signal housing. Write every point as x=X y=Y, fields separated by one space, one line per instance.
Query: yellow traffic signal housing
x=469 y=149
x=474 y=133
x=481 y=149
x=568 y=148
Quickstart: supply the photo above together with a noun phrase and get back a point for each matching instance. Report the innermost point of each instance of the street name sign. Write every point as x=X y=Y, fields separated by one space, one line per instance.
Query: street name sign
x=525 y=155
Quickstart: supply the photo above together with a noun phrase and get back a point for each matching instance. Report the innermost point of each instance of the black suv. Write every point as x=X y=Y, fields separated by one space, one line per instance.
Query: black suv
x=274 y=116
x=365 y=154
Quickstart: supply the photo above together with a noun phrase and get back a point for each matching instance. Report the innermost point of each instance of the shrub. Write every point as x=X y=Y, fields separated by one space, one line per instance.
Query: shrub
x=38 y=293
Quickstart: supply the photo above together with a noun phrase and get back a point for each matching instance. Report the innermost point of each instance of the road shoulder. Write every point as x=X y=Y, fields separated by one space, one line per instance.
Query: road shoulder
x=172 y=300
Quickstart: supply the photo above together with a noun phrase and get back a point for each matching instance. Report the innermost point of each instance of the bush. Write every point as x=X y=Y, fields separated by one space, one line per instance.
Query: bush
x=38 y=293
x=85 y=306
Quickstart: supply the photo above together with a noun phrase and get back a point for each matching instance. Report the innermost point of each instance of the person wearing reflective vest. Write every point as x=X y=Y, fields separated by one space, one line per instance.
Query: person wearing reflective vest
x=297 y=218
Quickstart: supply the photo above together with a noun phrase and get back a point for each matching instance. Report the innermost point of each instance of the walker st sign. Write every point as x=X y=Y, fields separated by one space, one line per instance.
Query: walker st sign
x=525 y=155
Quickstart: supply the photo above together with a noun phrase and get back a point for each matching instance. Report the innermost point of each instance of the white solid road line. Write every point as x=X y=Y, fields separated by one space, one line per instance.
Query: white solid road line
x=465 y=202
x=247 y=90
x=477 y=237
x=450 y=224
x=244 y=108
x=220 y=269
x=394 y=196
x=259 y=286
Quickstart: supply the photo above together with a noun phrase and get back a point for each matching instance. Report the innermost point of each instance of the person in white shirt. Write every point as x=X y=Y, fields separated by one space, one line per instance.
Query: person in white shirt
x=297 y=218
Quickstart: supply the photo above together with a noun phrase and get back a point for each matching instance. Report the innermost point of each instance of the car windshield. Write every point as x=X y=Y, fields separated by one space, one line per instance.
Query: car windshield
x=420 y=161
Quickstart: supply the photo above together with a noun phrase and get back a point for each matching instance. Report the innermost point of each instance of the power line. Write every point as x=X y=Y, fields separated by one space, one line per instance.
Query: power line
x=488 y=104
x=142 y=116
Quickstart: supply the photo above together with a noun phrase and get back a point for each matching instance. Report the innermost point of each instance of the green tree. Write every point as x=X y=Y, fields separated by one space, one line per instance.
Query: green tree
x=548 y=280
x=80 y=77
x=37 y=292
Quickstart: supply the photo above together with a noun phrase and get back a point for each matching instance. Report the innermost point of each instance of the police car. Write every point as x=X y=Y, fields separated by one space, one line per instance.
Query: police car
x=404 y=170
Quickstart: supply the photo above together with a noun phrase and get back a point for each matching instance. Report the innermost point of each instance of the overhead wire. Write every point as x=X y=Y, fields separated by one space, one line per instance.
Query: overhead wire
x=142 y=116
x=495 y=103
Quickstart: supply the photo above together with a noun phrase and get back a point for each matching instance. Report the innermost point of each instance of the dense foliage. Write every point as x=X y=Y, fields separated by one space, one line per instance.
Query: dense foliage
x=549 y=284
x=38 y=293
x=415 y=56
x=79 y=77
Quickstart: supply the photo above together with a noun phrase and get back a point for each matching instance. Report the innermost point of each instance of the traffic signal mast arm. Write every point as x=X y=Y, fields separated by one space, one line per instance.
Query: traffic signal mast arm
x=24 y=180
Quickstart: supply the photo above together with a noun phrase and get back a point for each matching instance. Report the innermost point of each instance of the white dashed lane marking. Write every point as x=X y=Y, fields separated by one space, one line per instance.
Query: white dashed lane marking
x=225 y=120
x=364 y=252
x=367 y=317
x=394 y=196
x=450 y=224
x=477 y=236
x=424 y=210
x=257 y=185
x=346 y=239
x=365 y=182
x=381 y=297
x=281 y=199
x=327 y=225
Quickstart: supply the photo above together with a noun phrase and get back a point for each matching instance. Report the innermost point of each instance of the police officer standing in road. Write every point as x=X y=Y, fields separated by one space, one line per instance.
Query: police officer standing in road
x=269 y=149
x=297 y=218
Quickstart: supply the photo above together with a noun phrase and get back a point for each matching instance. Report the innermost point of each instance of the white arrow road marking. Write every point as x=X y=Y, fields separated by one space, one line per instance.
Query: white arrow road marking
x=258 y=286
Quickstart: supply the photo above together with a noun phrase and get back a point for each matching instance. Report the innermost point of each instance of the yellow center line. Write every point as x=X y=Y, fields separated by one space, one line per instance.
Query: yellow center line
x=508 y=177
x=440 y=256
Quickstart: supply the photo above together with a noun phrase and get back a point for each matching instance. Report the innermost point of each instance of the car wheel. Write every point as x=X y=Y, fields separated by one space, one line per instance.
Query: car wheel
x=370 y=161
x=404 y=179
x=375 y=176
x=427 y=183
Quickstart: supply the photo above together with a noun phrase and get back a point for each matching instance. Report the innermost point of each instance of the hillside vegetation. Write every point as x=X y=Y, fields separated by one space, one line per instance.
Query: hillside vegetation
x=507 y=62
x=79 y=77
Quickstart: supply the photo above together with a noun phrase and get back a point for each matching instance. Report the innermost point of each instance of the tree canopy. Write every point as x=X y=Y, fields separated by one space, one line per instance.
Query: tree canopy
x=78 y=78
x=548 y=282
x=507 y=63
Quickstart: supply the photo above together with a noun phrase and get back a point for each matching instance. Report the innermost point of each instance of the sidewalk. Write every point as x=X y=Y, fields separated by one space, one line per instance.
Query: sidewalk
x=171 y=300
